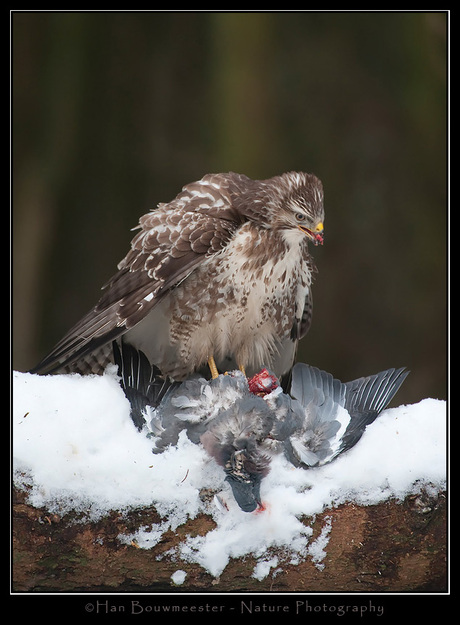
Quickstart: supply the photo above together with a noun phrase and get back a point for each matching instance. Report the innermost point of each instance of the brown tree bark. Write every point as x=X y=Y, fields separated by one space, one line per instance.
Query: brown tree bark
x=390 y=547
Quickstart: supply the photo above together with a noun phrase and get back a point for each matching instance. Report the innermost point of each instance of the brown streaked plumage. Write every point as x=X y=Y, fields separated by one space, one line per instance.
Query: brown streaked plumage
x=222 y=271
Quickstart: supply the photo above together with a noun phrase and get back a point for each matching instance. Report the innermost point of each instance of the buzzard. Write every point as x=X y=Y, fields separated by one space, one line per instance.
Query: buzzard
x=221 y=275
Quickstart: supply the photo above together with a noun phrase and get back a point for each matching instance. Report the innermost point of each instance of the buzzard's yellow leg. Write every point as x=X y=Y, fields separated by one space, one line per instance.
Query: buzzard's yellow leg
x=213 y=368
x=242 y=369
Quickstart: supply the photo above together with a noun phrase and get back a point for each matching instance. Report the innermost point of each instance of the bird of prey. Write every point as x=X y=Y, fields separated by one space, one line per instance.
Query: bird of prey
x=221 y=275
x=242 y=423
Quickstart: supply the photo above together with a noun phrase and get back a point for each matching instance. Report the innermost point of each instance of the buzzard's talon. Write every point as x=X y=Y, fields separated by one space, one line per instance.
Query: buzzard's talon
x=213 y=368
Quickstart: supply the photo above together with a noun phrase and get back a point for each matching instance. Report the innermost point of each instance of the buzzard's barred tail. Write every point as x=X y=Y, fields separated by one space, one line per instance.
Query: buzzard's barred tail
x=93 y=363
x=90 y=335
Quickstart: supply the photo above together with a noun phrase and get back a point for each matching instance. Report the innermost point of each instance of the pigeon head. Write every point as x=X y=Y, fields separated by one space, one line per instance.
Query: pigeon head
x=246 y=492
x=245 y=467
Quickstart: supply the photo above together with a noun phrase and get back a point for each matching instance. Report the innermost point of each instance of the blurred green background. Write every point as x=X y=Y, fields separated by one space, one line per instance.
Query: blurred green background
x=115 y=112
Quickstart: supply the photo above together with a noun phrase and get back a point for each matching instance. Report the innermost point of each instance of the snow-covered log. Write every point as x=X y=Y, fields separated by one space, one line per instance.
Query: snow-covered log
x=96 y=511
x=388 y=547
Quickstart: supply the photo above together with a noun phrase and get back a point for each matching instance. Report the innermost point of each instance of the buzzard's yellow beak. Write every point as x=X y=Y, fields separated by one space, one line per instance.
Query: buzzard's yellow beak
x=315 y=235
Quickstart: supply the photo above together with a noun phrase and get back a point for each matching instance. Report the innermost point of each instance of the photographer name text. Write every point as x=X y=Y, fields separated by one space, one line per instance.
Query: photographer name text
x=136 y=607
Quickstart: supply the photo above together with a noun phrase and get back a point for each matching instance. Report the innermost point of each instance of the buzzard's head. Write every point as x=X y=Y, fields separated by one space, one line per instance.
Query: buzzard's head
x=292 y=202
x=301 y=205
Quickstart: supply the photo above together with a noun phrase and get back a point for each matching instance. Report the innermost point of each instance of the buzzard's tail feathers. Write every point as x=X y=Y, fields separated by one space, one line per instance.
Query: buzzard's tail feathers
x=95 y=330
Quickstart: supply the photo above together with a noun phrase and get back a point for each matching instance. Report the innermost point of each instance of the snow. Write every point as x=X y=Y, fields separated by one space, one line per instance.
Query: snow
x=178 y=577
x=316 y=549
x=75 y=448
x=262 y=568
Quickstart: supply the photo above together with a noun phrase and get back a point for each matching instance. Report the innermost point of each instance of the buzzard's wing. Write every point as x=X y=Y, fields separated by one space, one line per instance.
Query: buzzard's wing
x=173 y=240
x=286 y=357
x=307 y=314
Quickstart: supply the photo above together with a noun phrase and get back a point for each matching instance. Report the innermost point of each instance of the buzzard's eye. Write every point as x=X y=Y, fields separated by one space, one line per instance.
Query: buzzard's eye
x=300 y=217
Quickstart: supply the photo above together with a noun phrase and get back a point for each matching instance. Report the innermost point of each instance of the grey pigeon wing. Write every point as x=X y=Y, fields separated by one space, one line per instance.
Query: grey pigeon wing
x=313 y=386
x=315 y=440
x=366 y=398
x=373 y=393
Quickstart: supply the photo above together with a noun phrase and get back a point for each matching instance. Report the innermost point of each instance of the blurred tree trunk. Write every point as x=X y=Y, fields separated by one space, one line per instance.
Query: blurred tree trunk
x=242 y=83
x=46 y=87
x=390 y=547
